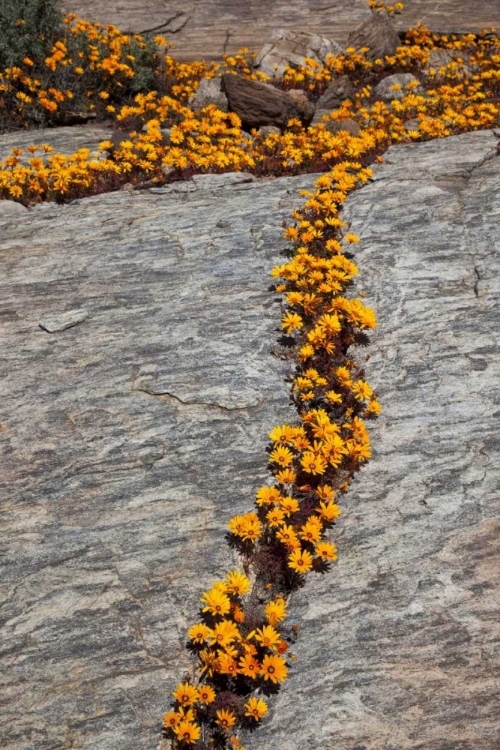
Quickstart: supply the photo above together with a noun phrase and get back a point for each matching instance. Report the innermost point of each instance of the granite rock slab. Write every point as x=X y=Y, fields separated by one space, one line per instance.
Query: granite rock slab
x=64 y=140
x=399 y=646
x=128 y=440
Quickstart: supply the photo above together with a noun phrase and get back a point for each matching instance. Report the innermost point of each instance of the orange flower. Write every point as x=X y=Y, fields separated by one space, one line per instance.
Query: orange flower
x=249 y=666
x=274 y=668
x=225 y=718
x=256 y=708
x=301 y=561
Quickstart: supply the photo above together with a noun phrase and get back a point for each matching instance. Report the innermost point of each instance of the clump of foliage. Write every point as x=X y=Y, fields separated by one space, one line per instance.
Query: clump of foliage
x=27 y=27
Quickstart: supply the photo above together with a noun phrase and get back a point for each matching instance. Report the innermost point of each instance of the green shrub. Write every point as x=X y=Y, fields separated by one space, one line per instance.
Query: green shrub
x=27 y=27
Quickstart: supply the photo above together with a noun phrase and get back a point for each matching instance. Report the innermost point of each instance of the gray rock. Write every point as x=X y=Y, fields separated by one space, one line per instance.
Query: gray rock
x=269 y=130
x=399 y=648
x=386 y=93
x=65 y=140
x=322 y=116
x=129 y=441
x=260 y=104
x=208 y=92
x=439 y=58
x=412 y=124
x=289 y=48
x=11 y=211
x=378 y=34
x=337 y=90
x=63 y=321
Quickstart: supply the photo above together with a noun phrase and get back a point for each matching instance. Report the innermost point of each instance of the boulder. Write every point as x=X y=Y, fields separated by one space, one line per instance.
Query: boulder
x=269 y=130
x=64 y=140
x=289 y=48
x=384 y=90
x=439 y=58
x=378 y=34
x=339 y=89
x=11 y=210
x=335 y=126
x=209 y=91
x=259 y=103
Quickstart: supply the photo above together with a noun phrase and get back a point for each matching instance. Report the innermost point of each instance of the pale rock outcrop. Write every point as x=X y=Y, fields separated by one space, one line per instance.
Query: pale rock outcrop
x=208 y=92
x=130 y=438
x=385 y=91
x=399 y=648
x=378 y=34
x=64 y=140
x=288 y=48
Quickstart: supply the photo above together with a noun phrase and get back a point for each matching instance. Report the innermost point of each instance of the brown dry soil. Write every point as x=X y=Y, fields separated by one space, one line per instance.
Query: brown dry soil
x=205 y=29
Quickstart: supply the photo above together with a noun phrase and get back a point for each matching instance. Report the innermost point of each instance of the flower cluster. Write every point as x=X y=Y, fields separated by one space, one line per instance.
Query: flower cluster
x=238 y=662
x=165 y=140
x=241 y=641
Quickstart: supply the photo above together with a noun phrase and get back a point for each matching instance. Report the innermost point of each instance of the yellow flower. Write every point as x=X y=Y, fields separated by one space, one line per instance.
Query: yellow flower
x=281 y=455
x=224 y=718
x=283 y=434
x=312 y=463
x=187 y=732
x=329 y=511
x=256 y=708
x=267 y=636
x=289 y=505
x=286 y=476
x=185 y=694
x=171 y=719
x=216 y=602
x=248 y=527
x=326 y=551
x=268 y=495
x=206 y=694
x=274 y=668
x=249 y=666
x=275 y=611
x=237 y=583
x=291 y=321
x=226 y=664
x=310 y=531
x=287 y=536
x=199 y=633
x=300 y=561
x=224 y=633
x=275 y=517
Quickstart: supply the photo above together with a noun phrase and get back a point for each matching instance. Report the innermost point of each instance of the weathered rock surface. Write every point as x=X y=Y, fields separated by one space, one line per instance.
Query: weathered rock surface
x=129 y=440
x=385 y=91
x=439 y=58
x=259 y=103
x=209 y=91
x=288 y=48
x=65 y=140
x=334 y=126
x=399 y=647
x=338 y=89
x=378 y=34
x=205 y=29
